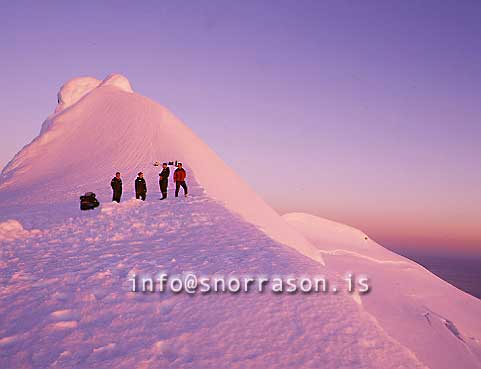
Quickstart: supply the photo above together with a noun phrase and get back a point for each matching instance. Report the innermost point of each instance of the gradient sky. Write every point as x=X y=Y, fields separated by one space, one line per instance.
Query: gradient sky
x=364 y=112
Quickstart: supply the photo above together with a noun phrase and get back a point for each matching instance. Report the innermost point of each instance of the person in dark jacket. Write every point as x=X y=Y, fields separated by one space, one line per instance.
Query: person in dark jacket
x=116 y=185
x=179 y=179
x=164 y=180
x=140 y=187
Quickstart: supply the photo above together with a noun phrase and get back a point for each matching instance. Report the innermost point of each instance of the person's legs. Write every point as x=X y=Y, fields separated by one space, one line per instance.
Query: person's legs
x=163 y=189
x=184 y=186
x=177 y=187
x=143 y=196
x=137 y=195
x=116 y=197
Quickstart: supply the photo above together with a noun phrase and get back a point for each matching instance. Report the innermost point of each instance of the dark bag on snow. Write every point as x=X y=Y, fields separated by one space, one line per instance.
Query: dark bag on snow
x=88 y=201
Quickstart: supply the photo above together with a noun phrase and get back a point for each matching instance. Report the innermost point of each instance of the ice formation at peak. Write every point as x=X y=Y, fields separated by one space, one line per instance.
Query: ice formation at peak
x=119 y=81
x=76 y=88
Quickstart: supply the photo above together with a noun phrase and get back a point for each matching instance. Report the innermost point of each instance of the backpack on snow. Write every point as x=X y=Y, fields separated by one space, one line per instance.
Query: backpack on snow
x=88 y=201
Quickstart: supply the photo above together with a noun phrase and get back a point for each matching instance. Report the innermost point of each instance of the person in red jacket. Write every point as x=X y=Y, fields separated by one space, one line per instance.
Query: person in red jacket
x=179 y=179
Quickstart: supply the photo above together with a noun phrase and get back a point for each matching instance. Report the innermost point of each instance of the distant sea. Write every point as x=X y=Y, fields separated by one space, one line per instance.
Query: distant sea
x=463 y=273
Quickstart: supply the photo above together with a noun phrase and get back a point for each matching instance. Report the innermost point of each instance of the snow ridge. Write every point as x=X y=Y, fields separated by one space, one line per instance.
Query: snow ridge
x=64 y=299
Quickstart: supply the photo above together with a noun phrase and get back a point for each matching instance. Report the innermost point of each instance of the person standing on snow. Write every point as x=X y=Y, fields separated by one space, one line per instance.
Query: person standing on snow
x=140 y=187
x=116 y=185
x=164 y=180
x=179 y=179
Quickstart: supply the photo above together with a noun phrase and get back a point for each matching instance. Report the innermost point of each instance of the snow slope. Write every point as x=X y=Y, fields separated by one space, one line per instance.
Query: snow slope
x=64 y=296
x=65 y=300
x=435 y=320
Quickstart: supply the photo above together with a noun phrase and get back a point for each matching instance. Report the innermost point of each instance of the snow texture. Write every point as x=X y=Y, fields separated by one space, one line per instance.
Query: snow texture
x=12 y=229
x=64 y=296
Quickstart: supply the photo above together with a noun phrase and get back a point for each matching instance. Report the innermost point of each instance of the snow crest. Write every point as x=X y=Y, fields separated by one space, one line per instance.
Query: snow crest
x=75 y=89
x=118 y=81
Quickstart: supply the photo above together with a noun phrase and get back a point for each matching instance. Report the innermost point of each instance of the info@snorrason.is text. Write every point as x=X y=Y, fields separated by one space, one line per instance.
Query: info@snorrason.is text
x=191 y=283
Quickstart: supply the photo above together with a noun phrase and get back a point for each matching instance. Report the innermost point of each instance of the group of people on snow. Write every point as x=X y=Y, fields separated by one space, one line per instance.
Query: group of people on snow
x=141 y=185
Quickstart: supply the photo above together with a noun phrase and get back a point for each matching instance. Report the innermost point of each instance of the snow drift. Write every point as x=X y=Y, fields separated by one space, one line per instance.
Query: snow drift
x=64 y=300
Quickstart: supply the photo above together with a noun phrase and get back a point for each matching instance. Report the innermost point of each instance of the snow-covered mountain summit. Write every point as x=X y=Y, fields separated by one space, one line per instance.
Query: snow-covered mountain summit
x=64 y=295
x=100 y=127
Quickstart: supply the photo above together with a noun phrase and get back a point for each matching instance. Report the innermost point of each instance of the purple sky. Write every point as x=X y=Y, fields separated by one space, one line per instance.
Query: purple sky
x=363 y=112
